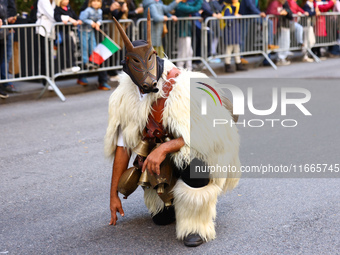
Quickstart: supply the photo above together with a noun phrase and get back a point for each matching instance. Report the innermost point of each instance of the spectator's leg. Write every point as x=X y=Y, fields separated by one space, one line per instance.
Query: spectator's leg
x=298 y=33
x=42 y=57
x=181 y=51
x=284 y=42
x=85 y=45
x=236 y=48
x=189 y=53
x=229 y=50
x=270 y=32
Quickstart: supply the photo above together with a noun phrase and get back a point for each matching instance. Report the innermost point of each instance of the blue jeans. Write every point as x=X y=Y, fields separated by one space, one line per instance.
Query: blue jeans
x=8 y=56
x=88 y=43
x=298 y=33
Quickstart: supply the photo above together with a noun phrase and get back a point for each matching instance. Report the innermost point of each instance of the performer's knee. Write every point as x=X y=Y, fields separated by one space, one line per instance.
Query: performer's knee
x=194 y=182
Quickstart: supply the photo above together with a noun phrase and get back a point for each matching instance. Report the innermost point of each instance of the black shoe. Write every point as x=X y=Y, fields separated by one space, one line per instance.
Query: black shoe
x=165 y=217
x=240 y=67
x=11 y=89
x=193 y=240
x=3 y=94
x=228 y=68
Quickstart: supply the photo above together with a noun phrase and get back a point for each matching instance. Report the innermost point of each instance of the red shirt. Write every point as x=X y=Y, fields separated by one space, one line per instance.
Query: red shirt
x=294 y=7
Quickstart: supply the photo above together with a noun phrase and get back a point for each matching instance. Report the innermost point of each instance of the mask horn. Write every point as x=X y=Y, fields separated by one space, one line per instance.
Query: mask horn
x=127 y=42
x=149 y=29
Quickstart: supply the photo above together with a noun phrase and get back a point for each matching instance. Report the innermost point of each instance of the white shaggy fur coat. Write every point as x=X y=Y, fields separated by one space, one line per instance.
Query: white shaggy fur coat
x=195 y=208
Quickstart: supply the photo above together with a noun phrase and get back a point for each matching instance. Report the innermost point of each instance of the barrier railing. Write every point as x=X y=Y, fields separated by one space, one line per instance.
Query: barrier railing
x=73 y=46
x=28 y=61
x=327 y=29
x=303 y=33
x=234 y=37
x=183 y=42
x=187 y=40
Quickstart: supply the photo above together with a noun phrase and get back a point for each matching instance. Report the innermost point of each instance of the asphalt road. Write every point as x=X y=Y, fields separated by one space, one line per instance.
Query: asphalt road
x=54 y=185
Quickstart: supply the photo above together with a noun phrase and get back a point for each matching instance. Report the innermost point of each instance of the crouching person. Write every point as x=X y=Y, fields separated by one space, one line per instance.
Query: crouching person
x=149 y=122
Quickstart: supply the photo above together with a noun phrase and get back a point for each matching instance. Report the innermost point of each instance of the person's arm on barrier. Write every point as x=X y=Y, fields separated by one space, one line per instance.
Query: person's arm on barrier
x=326 y=7
x=170 y=7
x=190 y=8
x=155 y=15
x=0 y=22
x=252 y=7
x=155 y=158
x=120 y=164
x=11 y=11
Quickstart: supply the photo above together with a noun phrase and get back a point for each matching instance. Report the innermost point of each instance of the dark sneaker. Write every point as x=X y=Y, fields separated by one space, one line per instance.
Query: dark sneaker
x=104 y=86
x=228 y=68
x=240 y=67
x=11 y=89
x=3 y=94
x=82 y=81
x=193 y=240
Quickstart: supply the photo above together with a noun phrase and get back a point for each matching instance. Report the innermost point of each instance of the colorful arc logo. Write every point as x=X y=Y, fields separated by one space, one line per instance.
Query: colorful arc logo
x=209 y=93
x=204 y=100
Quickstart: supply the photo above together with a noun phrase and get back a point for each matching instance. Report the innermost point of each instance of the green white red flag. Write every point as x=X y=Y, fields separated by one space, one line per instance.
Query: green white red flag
x=103 y=51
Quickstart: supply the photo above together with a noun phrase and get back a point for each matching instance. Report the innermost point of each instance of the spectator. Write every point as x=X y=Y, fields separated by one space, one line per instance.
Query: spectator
x=3 y=15
x=212 y=8
x=11 y=19
x=45 y=20
x=134 y=12
x=308 y=6
x=92 y=18
x=64 y=13
x=251 y=7
x=320 y=26
x=110 y=8
x=185 y=9
x=231 y=28
x=298 y=28
x=159 y=13
x=281 y=8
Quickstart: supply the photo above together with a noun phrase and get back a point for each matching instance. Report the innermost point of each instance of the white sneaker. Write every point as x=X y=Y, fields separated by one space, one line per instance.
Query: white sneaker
x=283 y=62
x=307 y=59
x=75 y=69
x=50 y=88
x=114 y=78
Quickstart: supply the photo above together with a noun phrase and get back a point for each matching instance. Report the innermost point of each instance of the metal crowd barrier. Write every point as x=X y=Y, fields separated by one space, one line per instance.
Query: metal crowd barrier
x=70 y=42
x=327 y=29
x=243 y=33
x=23 y=60
x=208 y=40
x=312 y=32
x=183 y=42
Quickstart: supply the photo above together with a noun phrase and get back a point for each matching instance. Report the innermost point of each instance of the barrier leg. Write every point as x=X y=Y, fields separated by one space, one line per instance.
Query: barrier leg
x=315 y=57
x=269 y=61
x=55 y=89
x=209 y=68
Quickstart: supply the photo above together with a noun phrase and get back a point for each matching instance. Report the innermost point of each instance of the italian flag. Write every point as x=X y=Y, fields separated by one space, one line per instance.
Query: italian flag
x=103 y=51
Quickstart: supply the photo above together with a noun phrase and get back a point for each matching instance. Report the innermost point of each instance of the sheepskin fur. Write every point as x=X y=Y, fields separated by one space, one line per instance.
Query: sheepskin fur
x=195 y=210
x=195 y=207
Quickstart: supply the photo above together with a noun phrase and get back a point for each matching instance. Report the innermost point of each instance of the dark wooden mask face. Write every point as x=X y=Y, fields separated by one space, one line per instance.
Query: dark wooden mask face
x=141 y=60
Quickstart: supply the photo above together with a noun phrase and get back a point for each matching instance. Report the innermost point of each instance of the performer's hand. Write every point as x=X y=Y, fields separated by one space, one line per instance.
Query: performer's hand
x=153 y=161
x=115 y=206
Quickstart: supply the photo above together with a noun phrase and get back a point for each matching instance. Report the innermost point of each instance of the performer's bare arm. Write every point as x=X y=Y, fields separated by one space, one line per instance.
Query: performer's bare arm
x=155 y=158
x=120 y=164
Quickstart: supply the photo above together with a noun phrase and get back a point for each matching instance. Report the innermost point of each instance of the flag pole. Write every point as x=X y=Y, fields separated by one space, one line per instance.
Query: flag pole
x=103 y=33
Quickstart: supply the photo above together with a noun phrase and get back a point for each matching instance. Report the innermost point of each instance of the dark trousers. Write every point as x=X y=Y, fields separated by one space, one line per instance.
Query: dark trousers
x=167 y=215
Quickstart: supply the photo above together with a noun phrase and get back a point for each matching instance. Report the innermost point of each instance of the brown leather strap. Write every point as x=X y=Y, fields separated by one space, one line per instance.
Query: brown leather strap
x=154 y=127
